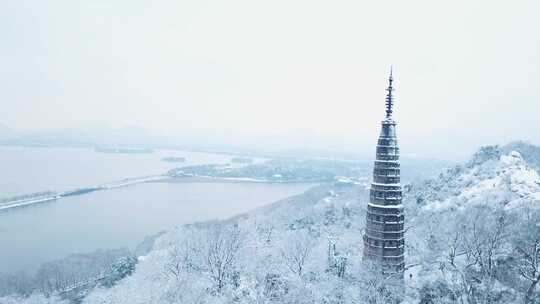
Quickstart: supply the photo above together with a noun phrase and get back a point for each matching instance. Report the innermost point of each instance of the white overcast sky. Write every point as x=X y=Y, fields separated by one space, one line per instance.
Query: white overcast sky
x=467 y=72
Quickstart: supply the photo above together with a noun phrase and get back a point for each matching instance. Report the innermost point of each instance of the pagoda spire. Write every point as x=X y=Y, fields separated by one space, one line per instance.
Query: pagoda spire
x=384 y=236
x=389 y=97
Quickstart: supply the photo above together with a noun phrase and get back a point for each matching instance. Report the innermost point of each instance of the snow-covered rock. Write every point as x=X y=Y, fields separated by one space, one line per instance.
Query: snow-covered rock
x=490 y=178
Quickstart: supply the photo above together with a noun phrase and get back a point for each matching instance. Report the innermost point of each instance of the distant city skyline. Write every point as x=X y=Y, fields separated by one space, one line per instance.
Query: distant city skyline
x=241 y=72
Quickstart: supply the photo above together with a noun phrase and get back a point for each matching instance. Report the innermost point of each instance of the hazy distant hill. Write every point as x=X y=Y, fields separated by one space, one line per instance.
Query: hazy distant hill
x=5 y=131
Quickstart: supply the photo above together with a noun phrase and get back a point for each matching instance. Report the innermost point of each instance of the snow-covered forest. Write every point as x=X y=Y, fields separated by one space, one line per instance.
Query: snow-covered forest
x=472 y=236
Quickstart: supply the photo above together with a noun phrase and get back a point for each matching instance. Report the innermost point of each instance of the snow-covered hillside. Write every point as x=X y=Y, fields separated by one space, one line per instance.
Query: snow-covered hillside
x=293 y=251
x=463 y=229
x=474 y=231
x=489 y=178
x=472 y=236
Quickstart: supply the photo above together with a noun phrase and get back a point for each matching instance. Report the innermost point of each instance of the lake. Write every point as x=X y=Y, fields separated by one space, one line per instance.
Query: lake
x=26 y=170
x=113 y=218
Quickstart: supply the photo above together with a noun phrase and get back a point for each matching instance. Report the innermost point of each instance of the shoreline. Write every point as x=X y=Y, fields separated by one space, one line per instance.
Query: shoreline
x=211 y=179
x=149 y=234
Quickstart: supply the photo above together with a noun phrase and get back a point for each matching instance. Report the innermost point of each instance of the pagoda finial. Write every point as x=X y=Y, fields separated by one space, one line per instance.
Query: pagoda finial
x=389 y=100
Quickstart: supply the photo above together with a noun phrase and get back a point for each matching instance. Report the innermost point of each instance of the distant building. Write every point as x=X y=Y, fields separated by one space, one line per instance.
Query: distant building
x=384 y=235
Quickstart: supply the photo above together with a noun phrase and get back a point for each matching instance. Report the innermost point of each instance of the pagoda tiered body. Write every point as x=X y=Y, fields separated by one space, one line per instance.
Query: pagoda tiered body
x=384 y=235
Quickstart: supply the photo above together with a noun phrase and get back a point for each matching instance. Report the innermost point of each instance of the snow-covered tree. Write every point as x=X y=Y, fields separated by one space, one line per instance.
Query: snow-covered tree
x=223 y=243
x=296 y=250
x=526 y=243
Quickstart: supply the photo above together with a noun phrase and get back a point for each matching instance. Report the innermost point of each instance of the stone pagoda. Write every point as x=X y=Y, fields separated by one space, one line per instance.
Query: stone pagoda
x=384 y=235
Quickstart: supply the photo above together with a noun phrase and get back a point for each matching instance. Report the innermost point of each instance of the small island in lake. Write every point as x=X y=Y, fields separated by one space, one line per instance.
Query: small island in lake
x=241 y=160
x=277 y=170
x=174 y=159
x=127 y=150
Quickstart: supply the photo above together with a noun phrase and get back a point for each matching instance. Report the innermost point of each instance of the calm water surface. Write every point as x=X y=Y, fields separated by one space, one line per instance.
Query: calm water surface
x=114 y=218
x=27 y=170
